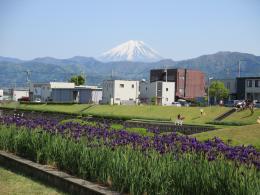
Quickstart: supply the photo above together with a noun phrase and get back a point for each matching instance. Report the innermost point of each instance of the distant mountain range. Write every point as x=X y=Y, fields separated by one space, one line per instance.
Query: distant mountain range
x=219 y=65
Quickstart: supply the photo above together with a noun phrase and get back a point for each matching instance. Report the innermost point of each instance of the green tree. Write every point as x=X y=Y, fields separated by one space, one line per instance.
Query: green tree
x=218 y=90
x=77 y=79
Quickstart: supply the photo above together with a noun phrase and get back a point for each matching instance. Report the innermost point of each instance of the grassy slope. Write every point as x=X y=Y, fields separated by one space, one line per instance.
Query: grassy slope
x=244 y=116
x=191 y=114
x=74 y=108
x=249 y=134
x=11 y=183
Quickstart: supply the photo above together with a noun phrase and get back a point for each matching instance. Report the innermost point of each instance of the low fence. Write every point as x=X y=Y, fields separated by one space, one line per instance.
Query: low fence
x=52 y=177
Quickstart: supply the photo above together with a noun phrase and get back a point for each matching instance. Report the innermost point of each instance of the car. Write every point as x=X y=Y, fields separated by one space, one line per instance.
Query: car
x=37 y=100
x=257 y=104
x=24 y=99
x=229 y=104
x=177 y=104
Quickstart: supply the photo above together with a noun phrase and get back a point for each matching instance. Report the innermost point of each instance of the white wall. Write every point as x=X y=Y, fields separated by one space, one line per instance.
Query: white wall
x=19 y=94
x=150 y=90
x=168 y=93
x=1 y=94
x=120 y=92
x=63 y=85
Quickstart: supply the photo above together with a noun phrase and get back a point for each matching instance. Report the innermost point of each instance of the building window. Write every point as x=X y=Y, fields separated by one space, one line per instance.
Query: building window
x=133 y=86
x=256 y=83
x=131 y=99
x=166 y=89
x=122 y=85
x=166 y=99
x=249 y=83
x=146 y=88
x=118 y=99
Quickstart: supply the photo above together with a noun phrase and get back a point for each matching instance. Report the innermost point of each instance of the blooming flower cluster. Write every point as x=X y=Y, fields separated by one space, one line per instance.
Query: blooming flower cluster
x=102 y=134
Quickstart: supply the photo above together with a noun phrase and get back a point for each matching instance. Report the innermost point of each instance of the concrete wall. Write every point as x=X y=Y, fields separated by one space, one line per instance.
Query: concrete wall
x=164 y=92
x=168 y=93
x=120 y=92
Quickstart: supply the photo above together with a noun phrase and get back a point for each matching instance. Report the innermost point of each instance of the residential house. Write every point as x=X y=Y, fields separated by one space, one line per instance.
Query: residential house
x=120 y=92
x=78 y=94
x=189 y=84
x=163 y=93
x=248 y=88
x=42 y=91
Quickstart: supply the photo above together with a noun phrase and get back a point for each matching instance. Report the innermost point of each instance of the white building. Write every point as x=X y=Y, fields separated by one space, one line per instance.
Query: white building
x=43 y=91
x=19 y=93
x=1 y=94
x=162 y=92
x=120 y=92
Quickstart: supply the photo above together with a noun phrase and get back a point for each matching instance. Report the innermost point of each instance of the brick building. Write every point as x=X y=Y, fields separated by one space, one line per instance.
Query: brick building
x=189 y=84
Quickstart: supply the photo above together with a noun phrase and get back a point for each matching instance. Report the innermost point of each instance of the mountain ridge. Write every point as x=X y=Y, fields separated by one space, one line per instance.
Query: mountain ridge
x=219 y=65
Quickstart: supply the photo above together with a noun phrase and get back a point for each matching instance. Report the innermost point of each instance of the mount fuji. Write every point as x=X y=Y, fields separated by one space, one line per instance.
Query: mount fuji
x=136 y=51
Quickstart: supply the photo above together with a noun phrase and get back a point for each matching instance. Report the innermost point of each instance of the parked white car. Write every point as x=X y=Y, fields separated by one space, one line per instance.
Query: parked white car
x=38 y=100
x=177 y=104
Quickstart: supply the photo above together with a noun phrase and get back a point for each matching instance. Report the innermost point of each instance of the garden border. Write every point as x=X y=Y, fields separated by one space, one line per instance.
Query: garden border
x=63 y=181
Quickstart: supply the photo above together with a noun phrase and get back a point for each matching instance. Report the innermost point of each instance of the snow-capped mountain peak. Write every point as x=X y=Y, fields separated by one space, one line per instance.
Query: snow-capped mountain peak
x=131 y=51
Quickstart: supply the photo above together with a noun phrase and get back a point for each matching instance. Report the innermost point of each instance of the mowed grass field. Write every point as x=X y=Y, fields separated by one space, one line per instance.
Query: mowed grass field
x=248 y=134
x=15 y=184
x=192 y=114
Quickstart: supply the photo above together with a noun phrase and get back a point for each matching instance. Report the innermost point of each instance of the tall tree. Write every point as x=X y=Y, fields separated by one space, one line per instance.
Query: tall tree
x=218 y=90
x=77 y=79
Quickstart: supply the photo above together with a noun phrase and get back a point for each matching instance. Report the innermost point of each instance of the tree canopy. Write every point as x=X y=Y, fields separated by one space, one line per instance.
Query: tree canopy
x=77 y=79
x=218 y=90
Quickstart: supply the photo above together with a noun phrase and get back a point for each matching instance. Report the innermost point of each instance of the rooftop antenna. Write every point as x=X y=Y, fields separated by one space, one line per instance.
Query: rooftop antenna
x=166 y=71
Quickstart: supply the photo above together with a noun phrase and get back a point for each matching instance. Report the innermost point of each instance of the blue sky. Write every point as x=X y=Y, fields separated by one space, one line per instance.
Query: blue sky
x=176 y=29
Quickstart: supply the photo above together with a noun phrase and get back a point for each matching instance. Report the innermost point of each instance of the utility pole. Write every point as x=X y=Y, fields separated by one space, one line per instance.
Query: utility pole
x=112 y=74
x=28 y=77
x=239 y=68
x=210 y=78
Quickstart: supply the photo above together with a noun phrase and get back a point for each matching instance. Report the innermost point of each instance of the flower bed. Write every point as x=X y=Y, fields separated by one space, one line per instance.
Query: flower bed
x=129 y=162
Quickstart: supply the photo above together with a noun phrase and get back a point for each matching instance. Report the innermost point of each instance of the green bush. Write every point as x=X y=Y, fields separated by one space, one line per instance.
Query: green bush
x=130 y=171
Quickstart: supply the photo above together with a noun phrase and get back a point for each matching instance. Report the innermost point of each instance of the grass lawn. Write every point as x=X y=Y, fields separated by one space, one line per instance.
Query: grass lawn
x=191 y=114
x=12 y=183
x=249 y=134
x=244 y=116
